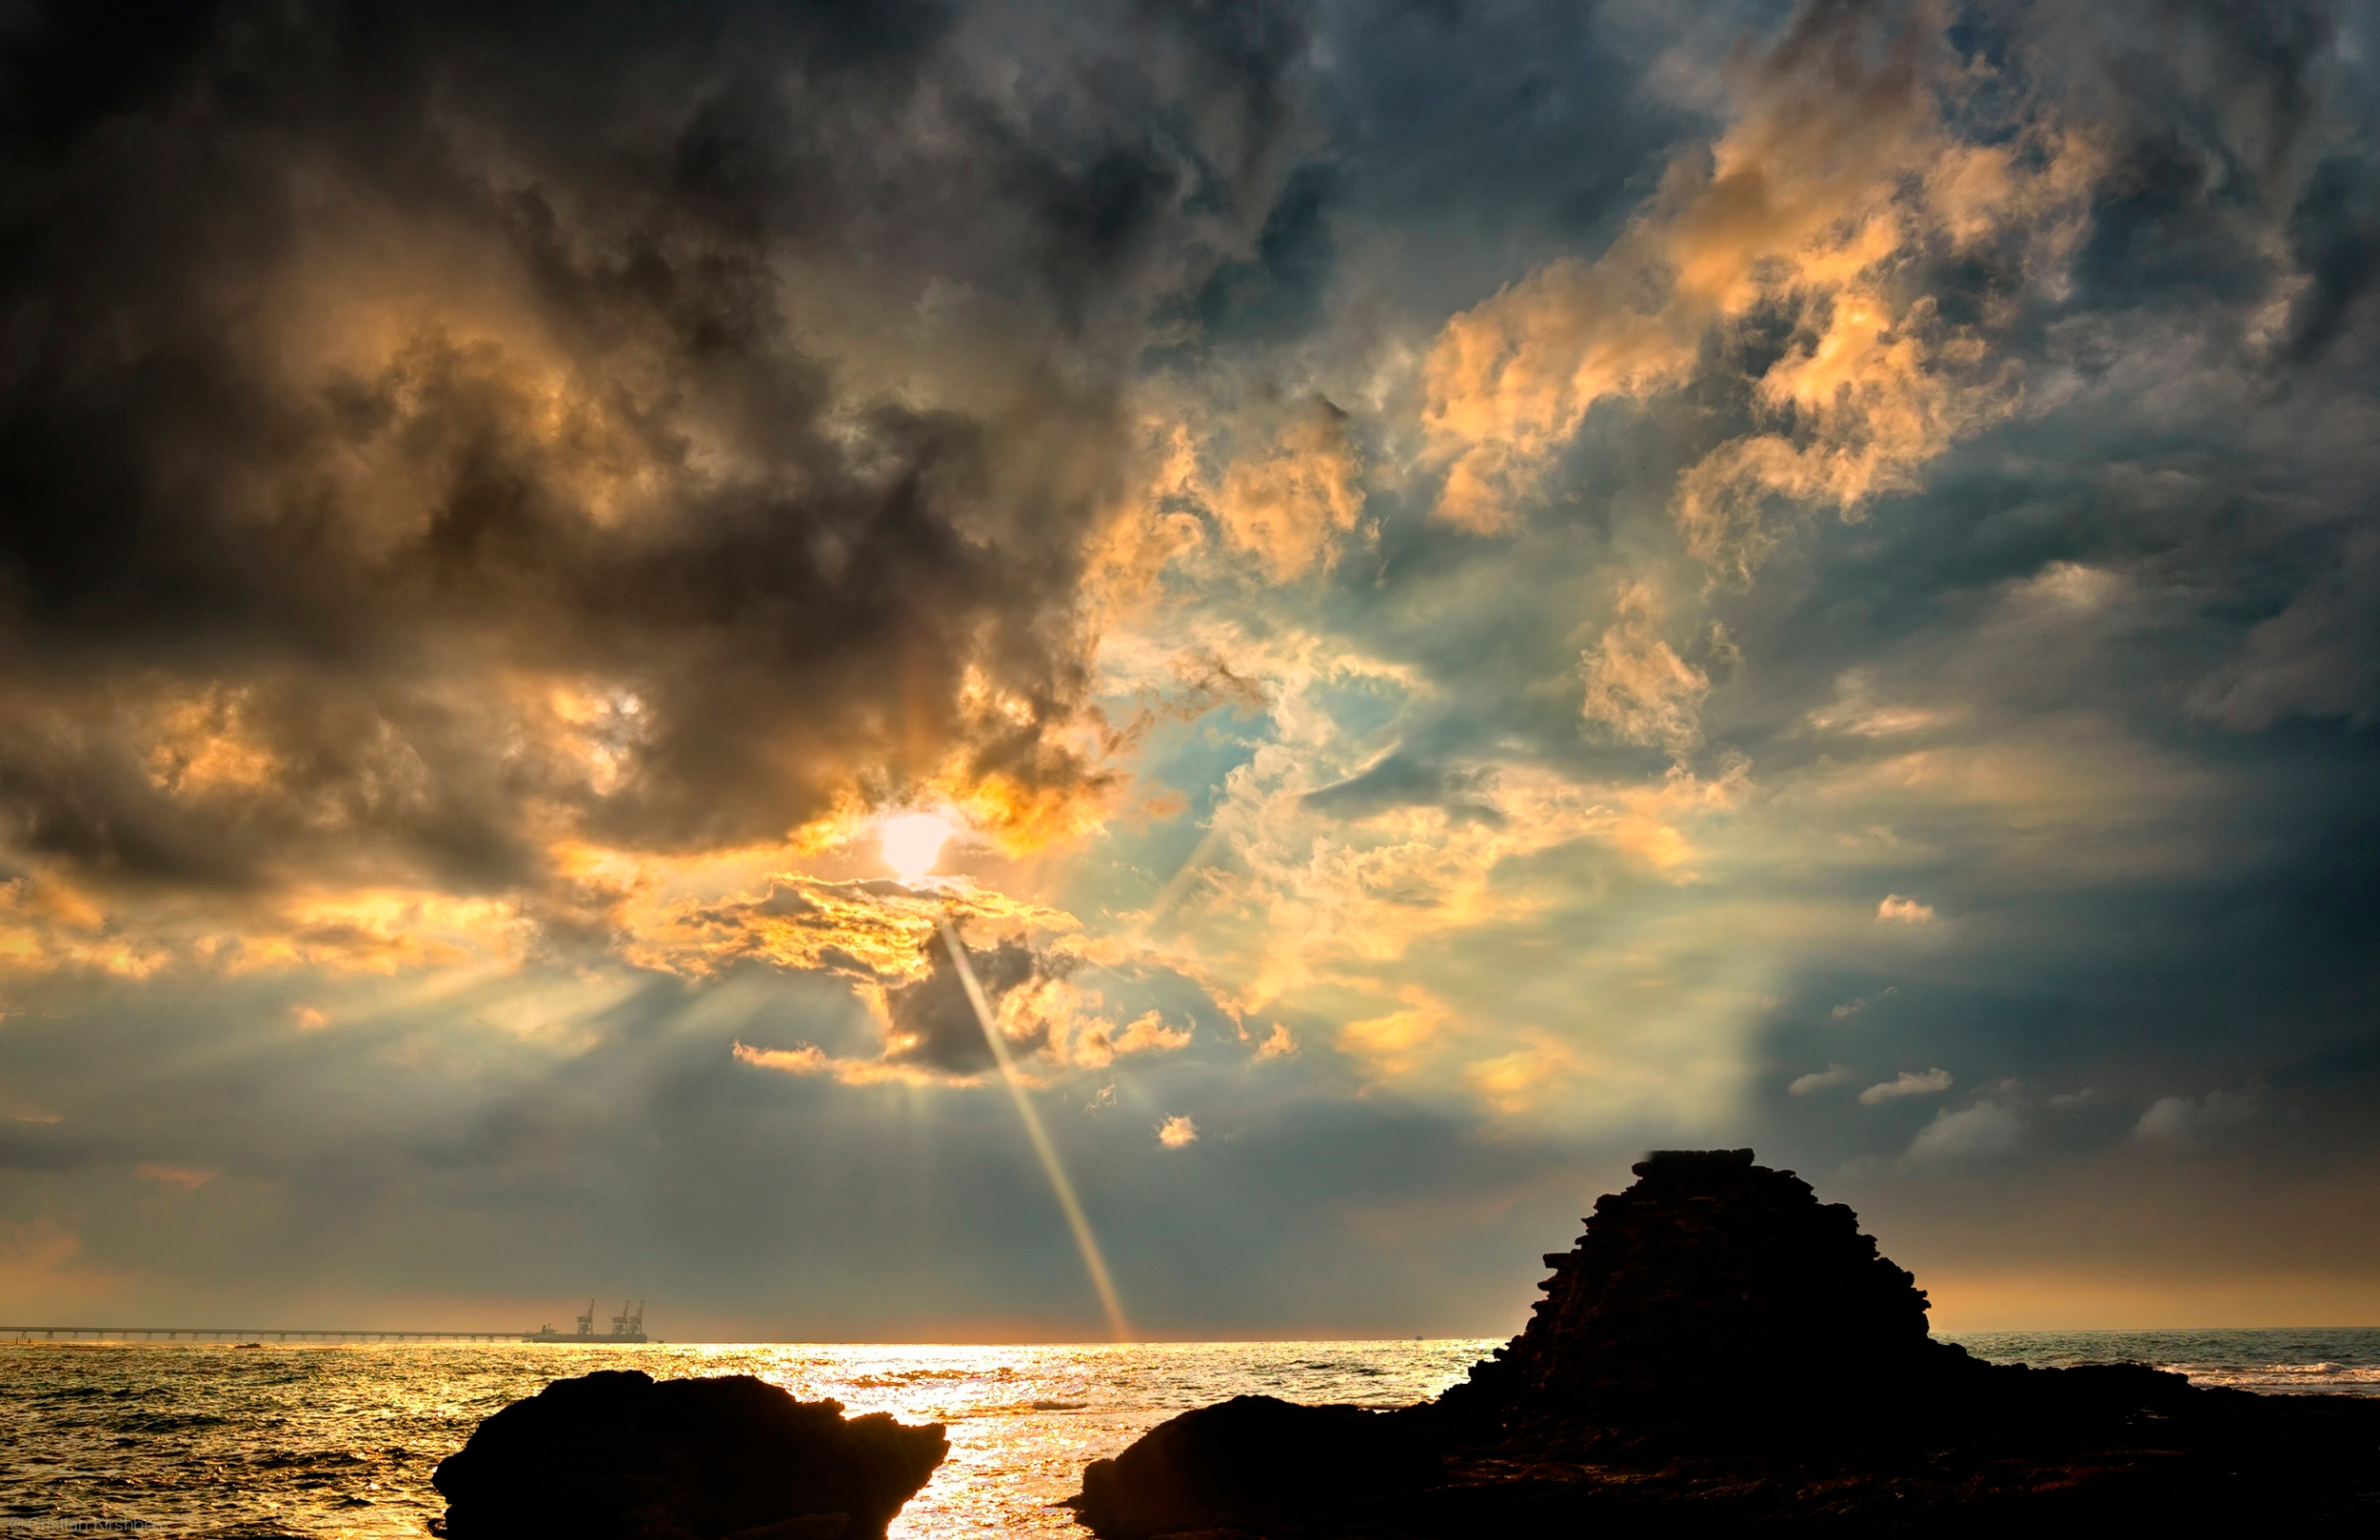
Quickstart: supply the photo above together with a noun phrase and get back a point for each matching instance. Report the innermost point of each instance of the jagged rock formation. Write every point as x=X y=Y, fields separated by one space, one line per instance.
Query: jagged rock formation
x=1722 y=1355
x=1712 y=1275
x=616 y=1454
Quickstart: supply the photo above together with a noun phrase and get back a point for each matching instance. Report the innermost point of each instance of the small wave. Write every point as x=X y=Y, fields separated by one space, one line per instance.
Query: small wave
x=911 y=1376
x=291 y=1459
x=999 y=1409
x=158 y=1422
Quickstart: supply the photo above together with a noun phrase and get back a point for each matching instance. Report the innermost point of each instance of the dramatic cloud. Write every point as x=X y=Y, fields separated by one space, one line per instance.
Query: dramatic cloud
x=932 y=1023
x=1810 y=234
x=1466 y=590
x=413 y=459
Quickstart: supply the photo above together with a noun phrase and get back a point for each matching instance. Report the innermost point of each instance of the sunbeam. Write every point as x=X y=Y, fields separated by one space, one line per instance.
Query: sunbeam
x=1093 y=1263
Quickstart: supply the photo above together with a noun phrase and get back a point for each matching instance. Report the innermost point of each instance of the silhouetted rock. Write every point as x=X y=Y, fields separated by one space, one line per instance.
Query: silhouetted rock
x=1713 y=1276
x=1722 y=1355
x=1250 y=1457
x=617 y=1454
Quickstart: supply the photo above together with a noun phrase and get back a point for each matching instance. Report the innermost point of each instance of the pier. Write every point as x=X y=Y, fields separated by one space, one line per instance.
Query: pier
x=244 y=1333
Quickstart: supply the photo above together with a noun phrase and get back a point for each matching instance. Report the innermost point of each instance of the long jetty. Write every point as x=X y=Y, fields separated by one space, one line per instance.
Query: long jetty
x=247 y=1333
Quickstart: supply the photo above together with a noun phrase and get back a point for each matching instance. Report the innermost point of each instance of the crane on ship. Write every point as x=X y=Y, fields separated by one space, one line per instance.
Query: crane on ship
x=628 y=1326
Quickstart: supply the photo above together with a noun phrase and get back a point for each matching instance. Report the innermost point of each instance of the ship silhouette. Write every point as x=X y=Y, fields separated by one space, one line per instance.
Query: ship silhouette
x=628 y=1326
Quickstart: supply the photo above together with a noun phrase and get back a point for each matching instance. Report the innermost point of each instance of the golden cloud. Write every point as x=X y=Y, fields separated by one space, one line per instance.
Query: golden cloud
x=1391 y=1043
x=867 y=929
x=1278 y=485
x=1815 y=209
x=1525 y=1078
x=1636 y=685
x=804 y=1059
x=1287 y=505
x=1319 y=895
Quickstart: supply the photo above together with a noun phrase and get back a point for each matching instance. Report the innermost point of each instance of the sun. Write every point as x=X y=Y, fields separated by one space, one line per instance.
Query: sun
x=913 y=842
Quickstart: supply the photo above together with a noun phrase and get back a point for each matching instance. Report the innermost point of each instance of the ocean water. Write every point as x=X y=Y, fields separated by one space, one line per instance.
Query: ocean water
x=2276 y=1361
x=228 y=1441
x=339 y=1441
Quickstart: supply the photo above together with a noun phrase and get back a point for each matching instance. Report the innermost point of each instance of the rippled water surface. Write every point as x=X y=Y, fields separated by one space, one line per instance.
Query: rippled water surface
x=224 y=1441
x=2283 y=1360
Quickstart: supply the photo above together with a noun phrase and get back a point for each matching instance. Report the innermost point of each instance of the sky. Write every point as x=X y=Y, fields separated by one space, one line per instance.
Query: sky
x=1480 y=587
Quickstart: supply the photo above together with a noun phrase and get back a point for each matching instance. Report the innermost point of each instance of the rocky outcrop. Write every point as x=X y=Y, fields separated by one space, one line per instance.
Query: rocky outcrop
x=1715 y=1277
x=617 y=1454
x=1250 y=1458
x=1722 y=1355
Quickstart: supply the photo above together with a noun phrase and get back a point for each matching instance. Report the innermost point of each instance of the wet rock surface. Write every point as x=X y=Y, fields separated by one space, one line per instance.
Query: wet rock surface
x=1722 y=1354
x=619 y=1453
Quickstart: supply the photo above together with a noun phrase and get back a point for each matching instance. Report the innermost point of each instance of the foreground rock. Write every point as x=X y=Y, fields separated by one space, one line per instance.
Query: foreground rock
x=1253 y=1458
x=617 y=1455
x=1722 y=1354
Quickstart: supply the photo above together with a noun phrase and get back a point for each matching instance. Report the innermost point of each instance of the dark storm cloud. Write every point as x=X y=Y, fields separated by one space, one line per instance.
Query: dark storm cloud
x=933 y=1025
x=372 y=371
x=1478 y=137
x=2211 y=115
x=2335 y=230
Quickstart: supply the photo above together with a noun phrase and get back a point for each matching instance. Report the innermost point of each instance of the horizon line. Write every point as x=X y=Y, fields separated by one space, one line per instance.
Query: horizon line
x=411 y=1336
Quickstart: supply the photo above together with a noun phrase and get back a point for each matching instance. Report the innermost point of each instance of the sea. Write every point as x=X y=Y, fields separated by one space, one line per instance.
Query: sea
x=243 y=1443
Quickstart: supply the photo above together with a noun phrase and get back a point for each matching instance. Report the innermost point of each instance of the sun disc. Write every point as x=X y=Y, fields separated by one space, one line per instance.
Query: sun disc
x=913 y=842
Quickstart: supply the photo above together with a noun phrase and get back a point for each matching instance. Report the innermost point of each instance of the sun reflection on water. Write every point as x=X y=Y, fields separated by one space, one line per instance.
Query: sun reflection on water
x=341 y=1441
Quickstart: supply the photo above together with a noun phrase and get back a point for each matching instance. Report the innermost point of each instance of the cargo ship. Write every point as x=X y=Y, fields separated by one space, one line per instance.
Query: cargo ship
x=628 y=1326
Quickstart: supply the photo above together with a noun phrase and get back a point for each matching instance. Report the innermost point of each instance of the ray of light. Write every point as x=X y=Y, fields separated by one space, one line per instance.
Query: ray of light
x=1092 y=1261
x=1179 y=884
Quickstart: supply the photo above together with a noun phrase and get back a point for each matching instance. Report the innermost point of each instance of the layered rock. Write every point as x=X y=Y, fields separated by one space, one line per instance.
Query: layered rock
x=616 y=1454
x=1713 y=1277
